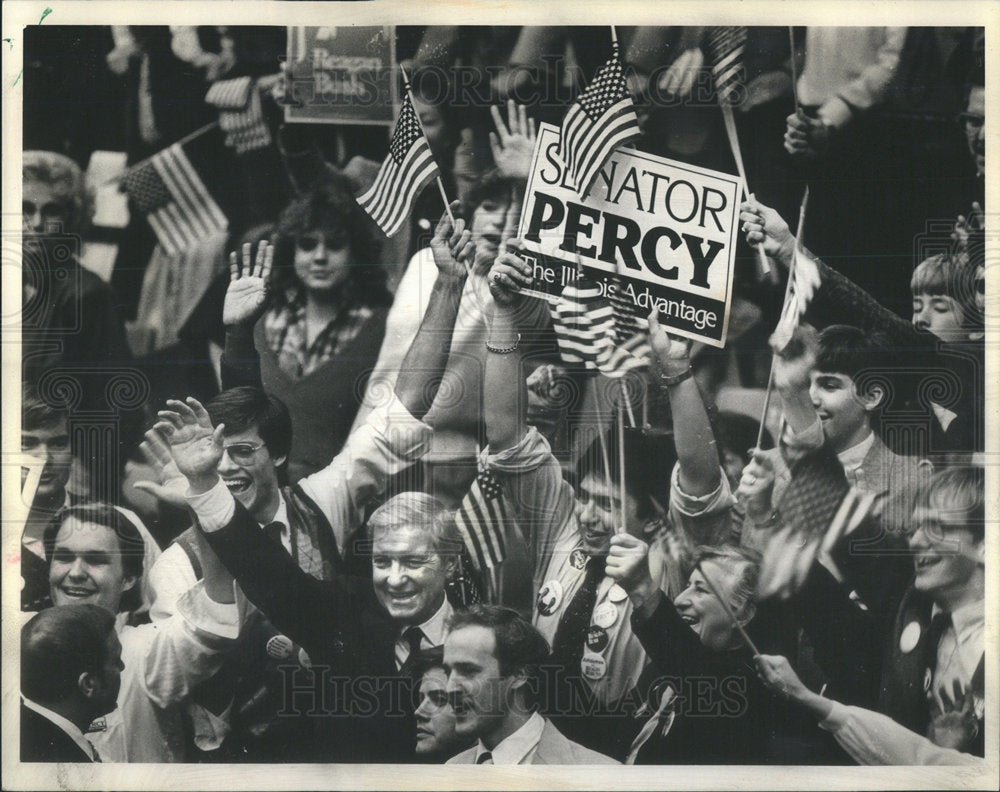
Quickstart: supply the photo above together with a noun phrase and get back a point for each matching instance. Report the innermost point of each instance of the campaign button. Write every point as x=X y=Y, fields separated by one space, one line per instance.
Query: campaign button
x=594 y=666
x=909 y=638
x=550 y=597
x=606 y=615
x=578 y=559
x=617 y=593
x=597 y=638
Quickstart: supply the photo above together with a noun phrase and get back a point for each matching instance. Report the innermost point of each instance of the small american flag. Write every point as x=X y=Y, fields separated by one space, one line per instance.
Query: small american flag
x=240 y=114
x=599 y=121
x=481 y=519
x=405 y=172
x=804 y=281
x=725 y=48
x=168 y=190
x=583 y=322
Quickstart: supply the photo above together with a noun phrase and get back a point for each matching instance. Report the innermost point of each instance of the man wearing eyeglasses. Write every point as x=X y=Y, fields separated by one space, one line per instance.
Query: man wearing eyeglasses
x=315 y=519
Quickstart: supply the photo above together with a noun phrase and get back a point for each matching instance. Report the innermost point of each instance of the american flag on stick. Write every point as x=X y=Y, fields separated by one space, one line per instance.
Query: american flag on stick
x=725 y=48
x=481 y=519
x=598 y=122
x=168 y=190
x=406 y=171
x=241 y=115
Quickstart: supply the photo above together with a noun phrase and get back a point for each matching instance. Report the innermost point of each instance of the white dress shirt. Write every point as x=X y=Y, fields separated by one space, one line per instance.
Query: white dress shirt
x=519 y=747
x=434 y=631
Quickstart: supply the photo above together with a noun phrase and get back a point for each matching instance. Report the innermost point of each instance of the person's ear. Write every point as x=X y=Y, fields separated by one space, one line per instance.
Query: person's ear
x=89 y=684
x=747 y=612
x=873 y=397
x=129 y=582
x=279 y=461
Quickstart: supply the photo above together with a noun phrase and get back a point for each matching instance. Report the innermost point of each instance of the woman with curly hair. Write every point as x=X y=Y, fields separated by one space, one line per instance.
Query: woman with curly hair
x=316 y=319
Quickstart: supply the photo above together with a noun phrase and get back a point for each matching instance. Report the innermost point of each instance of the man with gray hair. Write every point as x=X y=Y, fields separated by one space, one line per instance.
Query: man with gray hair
x=361 y=638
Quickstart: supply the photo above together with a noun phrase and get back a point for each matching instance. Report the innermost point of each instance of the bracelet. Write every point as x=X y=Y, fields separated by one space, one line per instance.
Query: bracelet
x=676 y=379
x=506 y=350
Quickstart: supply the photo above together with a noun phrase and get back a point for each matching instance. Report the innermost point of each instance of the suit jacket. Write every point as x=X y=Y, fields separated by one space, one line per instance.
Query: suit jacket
x=43 y=741
x=906 y=674
x=553 y=748
x=354 y=690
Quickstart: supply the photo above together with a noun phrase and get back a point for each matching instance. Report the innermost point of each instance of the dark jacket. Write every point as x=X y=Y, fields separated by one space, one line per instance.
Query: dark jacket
x=365 y=706
x=43 y=741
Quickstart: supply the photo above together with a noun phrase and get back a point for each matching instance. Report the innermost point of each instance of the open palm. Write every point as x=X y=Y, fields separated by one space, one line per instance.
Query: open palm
x=247 y=290
x=196 y=448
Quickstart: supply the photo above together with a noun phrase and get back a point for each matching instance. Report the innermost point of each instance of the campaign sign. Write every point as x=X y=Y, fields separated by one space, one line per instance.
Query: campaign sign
x=666 y=228
x=342 y=75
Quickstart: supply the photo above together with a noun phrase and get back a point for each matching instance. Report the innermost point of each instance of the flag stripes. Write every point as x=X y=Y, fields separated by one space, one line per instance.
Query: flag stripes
x=725 y=47
x=481 y=518
x=178 y=206
x=599 y=121
x=583 y=323
x=408 y=167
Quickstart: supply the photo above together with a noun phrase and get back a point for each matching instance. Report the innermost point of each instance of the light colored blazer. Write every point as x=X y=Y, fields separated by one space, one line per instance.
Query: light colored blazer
x=553 y=748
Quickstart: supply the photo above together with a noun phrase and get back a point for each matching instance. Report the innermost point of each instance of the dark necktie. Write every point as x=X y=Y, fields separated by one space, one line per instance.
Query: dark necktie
x=274 y=530
x=485 y=758
x=567 y=645
x=413 y=636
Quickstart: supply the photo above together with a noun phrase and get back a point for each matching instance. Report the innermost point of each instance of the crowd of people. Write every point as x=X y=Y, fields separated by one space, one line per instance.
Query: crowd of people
x=355 y=507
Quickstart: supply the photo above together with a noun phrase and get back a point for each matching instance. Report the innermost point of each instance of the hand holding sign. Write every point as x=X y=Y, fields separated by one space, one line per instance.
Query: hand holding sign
x=510 y=273
x=671 y=355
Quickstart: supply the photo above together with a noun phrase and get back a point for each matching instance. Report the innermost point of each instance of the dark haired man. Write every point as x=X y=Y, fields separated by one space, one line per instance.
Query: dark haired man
x=579 y=609
x=95 y=557
x=493 y=658
x=70 y=674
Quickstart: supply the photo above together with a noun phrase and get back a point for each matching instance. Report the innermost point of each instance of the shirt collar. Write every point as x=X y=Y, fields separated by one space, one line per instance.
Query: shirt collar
x=66 y=725
x=280 y=515
x=435 y=629
x=968 y=622
x=851 y=458
x=516 y=747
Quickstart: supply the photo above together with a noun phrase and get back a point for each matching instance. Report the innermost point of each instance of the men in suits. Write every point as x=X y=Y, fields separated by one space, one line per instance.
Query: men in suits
x=70 y=674
x=492 y=657
x=360 y=636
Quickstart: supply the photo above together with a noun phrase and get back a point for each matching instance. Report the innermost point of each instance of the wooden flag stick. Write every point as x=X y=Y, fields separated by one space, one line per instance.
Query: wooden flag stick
x=729 y=611
x=614 y=36
x=440 y=184
x=734 y=145
x=784 y=306
x=628 y=402
x=604 y=451
x=621 y=463
x=795 y=76
x=186 y=139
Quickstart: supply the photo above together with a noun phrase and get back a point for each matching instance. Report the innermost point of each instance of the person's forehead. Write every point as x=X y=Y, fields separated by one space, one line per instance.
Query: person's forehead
x=40 y=192
x=723 y=575
x=471 y=643
x=403 y=539
x=977 y=101
x=597 y=486
x=57 y=429
x=816 y=374
x=433 y=679
x=84 y=536
x=941 y=514
x=249 y=435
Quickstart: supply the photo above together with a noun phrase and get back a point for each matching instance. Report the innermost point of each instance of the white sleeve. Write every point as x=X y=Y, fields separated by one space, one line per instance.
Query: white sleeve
x=189 y=647
x=169 y=578
x=869 y=88
x=871 y=738
x=389 y=441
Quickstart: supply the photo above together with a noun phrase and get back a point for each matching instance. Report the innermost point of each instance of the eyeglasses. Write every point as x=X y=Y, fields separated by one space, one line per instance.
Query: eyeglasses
x=971 y=120
x=242 y=453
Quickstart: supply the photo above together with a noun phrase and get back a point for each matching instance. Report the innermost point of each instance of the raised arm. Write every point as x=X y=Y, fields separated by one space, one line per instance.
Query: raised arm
x=422 y=369
x=693 y=438
x=243 y=306
x=505 y=394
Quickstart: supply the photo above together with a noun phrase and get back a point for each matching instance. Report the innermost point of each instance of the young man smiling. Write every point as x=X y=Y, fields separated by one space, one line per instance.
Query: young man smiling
x=493 y=657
